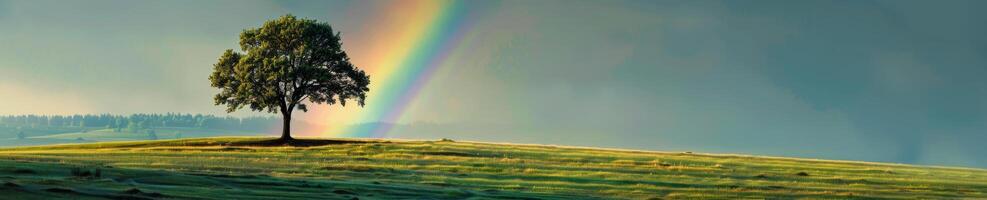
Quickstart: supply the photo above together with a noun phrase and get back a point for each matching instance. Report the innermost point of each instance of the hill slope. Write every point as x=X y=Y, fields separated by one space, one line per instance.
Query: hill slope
x=253 y=168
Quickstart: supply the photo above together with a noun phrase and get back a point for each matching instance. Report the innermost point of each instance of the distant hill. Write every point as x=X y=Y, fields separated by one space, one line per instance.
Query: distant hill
x=27 y=130
x=259 y=168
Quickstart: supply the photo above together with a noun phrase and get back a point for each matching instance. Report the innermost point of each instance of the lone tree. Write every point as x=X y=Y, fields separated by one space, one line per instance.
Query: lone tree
x=284 y=64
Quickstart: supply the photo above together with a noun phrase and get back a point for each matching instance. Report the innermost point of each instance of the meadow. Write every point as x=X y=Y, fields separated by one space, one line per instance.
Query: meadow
x=256 y=168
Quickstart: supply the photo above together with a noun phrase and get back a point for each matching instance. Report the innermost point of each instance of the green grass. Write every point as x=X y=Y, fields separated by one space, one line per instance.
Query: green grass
x=251 y=168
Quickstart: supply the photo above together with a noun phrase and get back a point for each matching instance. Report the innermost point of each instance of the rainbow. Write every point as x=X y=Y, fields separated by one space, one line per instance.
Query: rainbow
x=404 y=46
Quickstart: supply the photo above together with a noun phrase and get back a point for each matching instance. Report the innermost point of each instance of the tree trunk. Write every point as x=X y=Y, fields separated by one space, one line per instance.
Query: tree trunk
x=286 y=132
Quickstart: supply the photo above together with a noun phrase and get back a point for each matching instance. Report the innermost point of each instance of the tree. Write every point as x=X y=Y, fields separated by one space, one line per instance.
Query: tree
x=21 y=135
x=133 y=126
x=285 y=64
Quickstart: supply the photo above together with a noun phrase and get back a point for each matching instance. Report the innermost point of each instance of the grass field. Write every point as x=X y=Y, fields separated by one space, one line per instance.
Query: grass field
x=252 y=168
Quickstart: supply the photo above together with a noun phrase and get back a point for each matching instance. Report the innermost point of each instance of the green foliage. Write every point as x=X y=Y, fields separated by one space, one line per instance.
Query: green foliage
x=285 y=63
x=134 y=125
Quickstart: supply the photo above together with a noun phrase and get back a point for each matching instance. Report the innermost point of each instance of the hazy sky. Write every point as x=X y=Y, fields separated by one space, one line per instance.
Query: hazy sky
x=894 y=81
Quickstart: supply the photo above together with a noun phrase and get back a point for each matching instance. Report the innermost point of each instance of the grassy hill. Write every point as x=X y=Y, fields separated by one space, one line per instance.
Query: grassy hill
x=255 y=168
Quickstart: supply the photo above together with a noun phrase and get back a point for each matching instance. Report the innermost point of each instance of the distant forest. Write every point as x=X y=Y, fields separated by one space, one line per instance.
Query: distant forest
x=138 y=122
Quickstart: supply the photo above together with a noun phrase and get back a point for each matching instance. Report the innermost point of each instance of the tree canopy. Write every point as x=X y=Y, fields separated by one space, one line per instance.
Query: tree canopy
x=285 y=64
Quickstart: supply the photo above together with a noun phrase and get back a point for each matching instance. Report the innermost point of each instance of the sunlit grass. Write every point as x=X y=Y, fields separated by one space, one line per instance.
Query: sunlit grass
x=470 y=169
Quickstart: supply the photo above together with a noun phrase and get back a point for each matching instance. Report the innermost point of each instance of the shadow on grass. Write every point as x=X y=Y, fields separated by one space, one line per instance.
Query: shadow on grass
x=293 y=142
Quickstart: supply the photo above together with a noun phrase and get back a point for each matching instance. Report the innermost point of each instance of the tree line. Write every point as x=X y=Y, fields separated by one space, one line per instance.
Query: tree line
x=140 y=121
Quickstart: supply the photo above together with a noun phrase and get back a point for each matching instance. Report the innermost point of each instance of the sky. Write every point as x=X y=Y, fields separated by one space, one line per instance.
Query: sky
x=888 y=81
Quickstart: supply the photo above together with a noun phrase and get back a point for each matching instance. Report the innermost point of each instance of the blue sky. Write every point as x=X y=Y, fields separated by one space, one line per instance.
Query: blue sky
x=891 y=81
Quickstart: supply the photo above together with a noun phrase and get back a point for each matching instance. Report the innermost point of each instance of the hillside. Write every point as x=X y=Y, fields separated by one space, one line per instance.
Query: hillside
x=253 y=168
